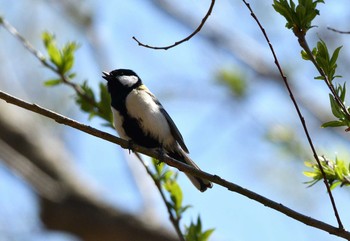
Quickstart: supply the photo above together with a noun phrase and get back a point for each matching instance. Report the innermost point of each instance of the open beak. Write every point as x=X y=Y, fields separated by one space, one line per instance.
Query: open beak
x=105 y=75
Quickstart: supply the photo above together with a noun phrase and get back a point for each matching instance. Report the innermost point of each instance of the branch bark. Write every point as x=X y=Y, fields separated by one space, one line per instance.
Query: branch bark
x=185 y=39
x=181 y=166
x=67 y=201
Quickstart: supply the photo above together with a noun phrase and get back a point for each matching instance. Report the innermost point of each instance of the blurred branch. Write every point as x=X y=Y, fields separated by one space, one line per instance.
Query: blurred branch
x=81 y=93
x=338 y=31
x=179 y=165
x=43 y=183
x=67 y=199
x=301 y=117
x=185 y=39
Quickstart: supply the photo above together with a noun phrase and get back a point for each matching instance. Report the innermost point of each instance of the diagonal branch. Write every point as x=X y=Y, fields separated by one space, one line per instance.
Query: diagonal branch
x=185 y=39
x=37 y=54
x=181 y=166
x=301 y=117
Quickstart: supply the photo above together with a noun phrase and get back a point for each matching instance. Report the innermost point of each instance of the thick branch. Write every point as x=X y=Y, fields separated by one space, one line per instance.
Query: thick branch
x=181 y=166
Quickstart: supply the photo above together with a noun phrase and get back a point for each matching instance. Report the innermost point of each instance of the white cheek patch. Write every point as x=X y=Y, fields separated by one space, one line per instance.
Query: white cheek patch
x=128 y=80
x=140 y=105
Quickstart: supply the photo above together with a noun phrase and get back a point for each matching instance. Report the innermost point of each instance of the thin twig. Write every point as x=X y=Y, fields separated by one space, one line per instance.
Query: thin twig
x=301 y=117
x=303 y=43
x=65 y=79
x=183 y=40
x=338 y=31
x=173 y=219
x=80 y=92
x=179 y=165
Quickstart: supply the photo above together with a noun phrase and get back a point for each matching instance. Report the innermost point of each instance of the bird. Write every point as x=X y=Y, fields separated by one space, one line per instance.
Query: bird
x=140 y=118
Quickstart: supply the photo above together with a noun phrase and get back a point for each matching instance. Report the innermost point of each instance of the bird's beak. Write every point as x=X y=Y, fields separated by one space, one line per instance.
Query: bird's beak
x=105 y=75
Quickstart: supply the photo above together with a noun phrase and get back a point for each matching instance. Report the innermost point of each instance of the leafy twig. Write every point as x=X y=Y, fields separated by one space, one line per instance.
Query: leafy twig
x=64 y=78
x=158 y=184
x=185 y=39
x=299 y=20
x=59 y=59
x=179 y=165
x=337 y=172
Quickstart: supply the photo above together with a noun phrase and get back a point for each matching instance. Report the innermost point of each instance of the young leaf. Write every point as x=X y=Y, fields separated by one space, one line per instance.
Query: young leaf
x=52 y=82
x=335 y=56
x=335 y=107
x=334 y=123
x=175 y=194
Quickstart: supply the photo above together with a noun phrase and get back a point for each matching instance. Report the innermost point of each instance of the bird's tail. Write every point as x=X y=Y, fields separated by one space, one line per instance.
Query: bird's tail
x=200 y=183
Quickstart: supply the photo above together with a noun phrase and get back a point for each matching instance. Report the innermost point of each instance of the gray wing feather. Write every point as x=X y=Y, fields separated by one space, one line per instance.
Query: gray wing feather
x=174 y=131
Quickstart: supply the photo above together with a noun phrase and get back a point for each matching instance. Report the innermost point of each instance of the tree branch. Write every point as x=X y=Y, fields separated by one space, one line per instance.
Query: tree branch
x=185 y=39
x=179 y=165
x=338 y=31
x=301 y=117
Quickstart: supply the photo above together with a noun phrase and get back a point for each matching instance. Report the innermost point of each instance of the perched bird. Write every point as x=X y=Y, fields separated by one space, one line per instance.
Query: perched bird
x=140 y=118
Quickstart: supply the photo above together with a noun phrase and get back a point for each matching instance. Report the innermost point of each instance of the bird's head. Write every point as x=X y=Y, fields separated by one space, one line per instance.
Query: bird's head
x=121 y=79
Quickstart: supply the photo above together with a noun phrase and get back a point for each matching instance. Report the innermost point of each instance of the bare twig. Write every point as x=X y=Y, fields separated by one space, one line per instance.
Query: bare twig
x=338 y=31
x=179 y=165
x=185 y=39
x=301 y=117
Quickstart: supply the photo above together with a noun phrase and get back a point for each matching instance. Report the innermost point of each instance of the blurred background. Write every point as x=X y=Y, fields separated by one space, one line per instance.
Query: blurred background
x=221 y=88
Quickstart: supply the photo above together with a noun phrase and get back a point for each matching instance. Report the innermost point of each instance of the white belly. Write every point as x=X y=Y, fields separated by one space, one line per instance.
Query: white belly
x=141 y=106
x=118 y=122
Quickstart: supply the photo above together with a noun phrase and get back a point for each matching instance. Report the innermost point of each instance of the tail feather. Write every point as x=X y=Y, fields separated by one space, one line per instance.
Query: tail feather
x=200 y=183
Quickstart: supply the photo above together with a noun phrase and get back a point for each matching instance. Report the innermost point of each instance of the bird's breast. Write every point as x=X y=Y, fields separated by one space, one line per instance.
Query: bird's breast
x=141 y=106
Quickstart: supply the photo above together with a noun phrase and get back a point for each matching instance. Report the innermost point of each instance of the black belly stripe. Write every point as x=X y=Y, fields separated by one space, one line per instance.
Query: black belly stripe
x=132 y=126
x=133 y=130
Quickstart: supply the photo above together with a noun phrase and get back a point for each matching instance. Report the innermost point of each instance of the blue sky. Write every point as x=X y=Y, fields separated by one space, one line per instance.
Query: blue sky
x=226 y=136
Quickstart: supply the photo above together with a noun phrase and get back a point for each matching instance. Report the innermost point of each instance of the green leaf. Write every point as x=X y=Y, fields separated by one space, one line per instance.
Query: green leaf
x=234 y=80
x=335 y=107
x=63 y=59
x=206 y=234
x=310 y=174
x=47 y=38
x=104 y=103
x=54 y=55
x=52 y=82
x=335 y=56
x=334 y=123
x=335 y=184
x=320 y=78
x=85 y=100
x=342 y=92
x=67 y=54
x=304 y=55
x=300 y=17
x=72 y=75
x=175 y=193
x=194 y=232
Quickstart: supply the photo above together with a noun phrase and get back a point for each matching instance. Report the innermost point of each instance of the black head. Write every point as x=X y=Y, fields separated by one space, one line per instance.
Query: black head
x=122 y=79
x=120 y=82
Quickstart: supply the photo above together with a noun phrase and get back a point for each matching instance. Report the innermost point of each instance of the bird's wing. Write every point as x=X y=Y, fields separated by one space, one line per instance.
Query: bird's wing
x=174 y=131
